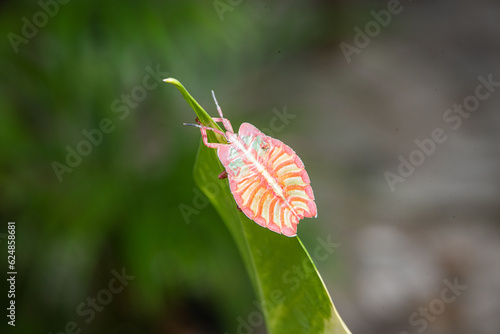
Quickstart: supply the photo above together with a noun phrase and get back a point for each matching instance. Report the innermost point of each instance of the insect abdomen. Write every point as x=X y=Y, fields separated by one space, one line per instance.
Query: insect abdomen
x=268 y=181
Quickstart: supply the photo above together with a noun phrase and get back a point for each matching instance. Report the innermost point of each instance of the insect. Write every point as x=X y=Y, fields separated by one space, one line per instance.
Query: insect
x=266 y=177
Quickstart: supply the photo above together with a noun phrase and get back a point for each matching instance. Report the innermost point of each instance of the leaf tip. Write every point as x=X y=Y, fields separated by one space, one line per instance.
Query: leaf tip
x=172 y=81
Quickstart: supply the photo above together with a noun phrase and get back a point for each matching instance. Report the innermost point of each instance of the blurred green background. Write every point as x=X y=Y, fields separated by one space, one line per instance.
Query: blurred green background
x=276 y=65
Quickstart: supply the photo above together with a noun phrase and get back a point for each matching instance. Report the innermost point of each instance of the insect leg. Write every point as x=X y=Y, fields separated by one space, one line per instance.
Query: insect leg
x=224 y=121
x=215 y=120
x=204 y=136
x=223 y=175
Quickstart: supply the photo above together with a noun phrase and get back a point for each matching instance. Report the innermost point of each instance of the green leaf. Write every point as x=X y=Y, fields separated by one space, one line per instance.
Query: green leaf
x=290 y=290
x=204 y=118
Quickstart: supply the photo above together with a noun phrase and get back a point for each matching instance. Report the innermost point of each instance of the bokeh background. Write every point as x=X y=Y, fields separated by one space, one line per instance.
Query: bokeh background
x=120 y=208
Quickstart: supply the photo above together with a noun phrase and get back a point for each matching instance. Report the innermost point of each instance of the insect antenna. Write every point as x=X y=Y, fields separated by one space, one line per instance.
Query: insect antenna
x=203 y=127
x=224 y=121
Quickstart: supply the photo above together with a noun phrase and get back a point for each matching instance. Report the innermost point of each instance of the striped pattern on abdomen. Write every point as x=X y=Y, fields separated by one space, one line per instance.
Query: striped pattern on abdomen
x=269 y=182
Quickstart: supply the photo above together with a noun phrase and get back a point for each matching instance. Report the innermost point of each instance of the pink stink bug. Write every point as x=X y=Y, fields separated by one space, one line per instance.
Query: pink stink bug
x=266 y=177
